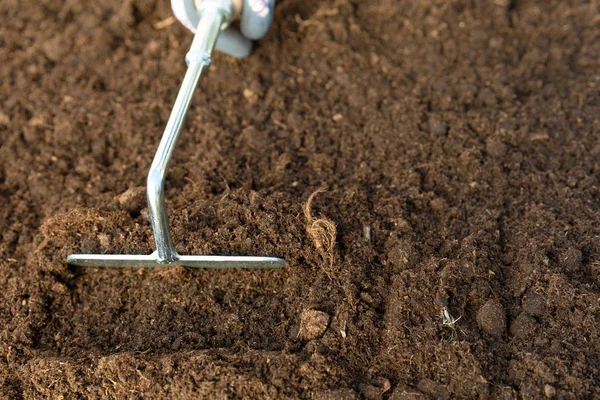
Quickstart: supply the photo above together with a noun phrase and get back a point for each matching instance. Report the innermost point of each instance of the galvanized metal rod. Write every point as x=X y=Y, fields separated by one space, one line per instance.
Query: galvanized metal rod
x=214 y=15
x=198 y=59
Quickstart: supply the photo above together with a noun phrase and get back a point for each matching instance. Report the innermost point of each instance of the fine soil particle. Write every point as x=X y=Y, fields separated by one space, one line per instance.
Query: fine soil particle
x=523 y=327
x=459 y=142
x=433 y=389
x=374 y=389
x=549 y=391
x=401 y=256
x=534 y=304
x=401 y=394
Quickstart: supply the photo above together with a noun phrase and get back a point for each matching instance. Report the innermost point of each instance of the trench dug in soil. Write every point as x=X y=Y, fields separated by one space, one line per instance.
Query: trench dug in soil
x=459 y=144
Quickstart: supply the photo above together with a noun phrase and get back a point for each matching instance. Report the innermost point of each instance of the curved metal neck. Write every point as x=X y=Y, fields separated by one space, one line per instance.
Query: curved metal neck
x=198 y=59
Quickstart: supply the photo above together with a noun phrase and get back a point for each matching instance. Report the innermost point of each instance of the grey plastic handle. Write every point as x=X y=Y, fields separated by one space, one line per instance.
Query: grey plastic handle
x=256 y=18
x=232 y=43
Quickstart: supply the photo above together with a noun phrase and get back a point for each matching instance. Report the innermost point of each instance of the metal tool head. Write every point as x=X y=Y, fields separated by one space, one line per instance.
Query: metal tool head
x=152 y=260
x=213 y=16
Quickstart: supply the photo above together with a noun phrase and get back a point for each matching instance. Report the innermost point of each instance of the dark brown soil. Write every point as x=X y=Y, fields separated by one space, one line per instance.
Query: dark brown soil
x=459 y=141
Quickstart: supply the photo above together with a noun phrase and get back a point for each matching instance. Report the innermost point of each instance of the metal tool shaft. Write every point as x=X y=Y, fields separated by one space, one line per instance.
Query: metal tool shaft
x=214 y=15
x=198 y=59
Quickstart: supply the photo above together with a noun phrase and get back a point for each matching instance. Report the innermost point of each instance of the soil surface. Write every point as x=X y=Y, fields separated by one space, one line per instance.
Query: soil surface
x=454 y=254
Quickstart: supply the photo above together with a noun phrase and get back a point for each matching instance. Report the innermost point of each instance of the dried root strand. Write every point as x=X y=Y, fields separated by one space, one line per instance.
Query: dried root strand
x=322 y=230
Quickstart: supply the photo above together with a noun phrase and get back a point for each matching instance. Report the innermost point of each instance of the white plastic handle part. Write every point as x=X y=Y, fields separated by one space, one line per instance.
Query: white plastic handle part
x=255 y=18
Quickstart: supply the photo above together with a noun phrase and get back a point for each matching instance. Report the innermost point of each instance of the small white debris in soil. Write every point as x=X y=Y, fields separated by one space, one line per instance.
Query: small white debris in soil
x=539 y=136
x=337 y=117
x=104 y=240
x=374 y=59
x=164 y=23
x=343 y=329
x=367 y=233
x=448 y=319
x=313 y=324
x=250 y=96
x=549 y=391
x=4 y=119
x=36 y=121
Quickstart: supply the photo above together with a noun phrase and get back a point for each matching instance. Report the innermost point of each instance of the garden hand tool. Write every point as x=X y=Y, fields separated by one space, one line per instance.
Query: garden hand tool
x=209 y=20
